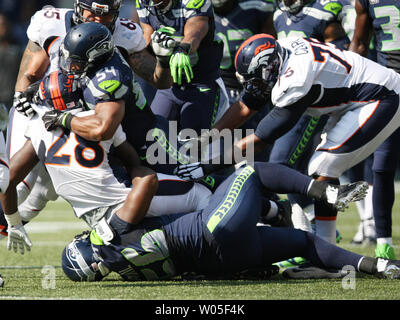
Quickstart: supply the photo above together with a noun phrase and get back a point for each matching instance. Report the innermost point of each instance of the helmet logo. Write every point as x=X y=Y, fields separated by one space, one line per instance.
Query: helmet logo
x=261 y=58
x=263 y=47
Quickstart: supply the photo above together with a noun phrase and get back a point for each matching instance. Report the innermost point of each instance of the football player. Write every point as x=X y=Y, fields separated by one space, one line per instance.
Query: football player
x=235 y=21
x=223 y=239
x=378 y=19
x=307 y=76
x=81 y=174
x=313 y=19
x=198 y=95
x=45 y=26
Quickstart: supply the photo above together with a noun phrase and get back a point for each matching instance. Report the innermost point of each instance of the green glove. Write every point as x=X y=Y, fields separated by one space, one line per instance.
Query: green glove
x=180 y=62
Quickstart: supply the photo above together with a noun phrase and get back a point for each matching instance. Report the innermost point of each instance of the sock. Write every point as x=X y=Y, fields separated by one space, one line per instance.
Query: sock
x=325 y=213
x=326 y=229
x=367 y=265
x=388 y=240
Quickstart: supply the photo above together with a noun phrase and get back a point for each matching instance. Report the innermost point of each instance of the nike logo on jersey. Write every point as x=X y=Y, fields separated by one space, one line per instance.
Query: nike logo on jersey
x=204 y=89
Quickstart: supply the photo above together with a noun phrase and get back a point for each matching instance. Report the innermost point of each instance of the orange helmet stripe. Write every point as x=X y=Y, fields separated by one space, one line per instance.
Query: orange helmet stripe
x=252 y=38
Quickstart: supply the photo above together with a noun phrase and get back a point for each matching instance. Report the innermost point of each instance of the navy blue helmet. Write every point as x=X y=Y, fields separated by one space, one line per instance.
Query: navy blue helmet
x=157 y=7
x=79 y=262
x=86 y=46
x=99 y=8
x=291 y=6
x=258 y=62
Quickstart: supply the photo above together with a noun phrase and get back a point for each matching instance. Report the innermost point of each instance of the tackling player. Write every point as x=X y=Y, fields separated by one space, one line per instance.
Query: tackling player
x=379 y=18
x=221 y=240
x=306 y=76
x=46 y=25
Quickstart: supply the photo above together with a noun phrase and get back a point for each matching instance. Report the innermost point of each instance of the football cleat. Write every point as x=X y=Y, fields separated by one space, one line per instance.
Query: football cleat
x=292 y=262
x=384 y=251
x=341 y=195
x=1 y=282
x=366 y=234
x=389 y=269
x=311 y=272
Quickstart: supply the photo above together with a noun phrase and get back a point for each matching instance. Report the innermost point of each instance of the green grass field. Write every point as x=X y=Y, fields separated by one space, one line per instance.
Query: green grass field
x=31 y=276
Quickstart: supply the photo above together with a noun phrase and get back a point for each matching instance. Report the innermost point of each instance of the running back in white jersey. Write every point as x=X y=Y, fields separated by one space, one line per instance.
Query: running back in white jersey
x=343 y=77
x=78 y=168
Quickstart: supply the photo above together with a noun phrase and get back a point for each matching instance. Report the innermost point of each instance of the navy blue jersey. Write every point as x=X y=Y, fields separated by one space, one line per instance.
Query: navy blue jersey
x=205 y=242
x=115 y=81
x=310 y=22
x=245 y=20
x=205 y=61
x=385 y=16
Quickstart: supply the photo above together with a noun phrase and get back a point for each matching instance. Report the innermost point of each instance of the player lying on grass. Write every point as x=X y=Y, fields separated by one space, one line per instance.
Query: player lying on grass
x=221 y=240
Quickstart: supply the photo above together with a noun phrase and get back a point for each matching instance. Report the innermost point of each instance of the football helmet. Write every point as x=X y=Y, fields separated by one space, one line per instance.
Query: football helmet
x=99 y=8
x=86 y=46
x=157 y=7
x=258 y=62
x=79 y=261
x=60 y=91
x=291 y=6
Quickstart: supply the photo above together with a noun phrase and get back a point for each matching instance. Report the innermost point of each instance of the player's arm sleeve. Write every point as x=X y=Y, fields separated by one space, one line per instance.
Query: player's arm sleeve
x=253 y=101
x=281 y=119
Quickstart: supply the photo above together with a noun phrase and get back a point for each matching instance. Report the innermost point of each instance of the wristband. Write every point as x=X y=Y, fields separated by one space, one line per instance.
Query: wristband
x=13 y=219
x=66 y=120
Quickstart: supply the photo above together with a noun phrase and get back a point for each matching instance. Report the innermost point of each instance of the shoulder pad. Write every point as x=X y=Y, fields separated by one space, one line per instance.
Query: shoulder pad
x=47 y=23
x=109 y=83
x=129 y=36
x=198 y=5
x=334 y=7
x=295 y=81
x=261 y=5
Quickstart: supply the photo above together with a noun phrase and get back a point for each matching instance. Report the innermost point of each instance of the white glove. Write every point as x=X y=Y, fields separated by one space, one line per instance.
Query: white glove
x=23 y=105
x=162 y=43
x=17 y=236
x=191 y=171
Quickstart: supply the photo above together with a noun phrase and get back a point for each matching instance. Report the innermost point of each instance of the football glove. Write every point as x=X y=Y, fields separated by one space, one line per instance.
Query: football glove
x=56 y=118
x=17 y=236
x=163 y=44
x=22 y=100
x=179 y=63
x=190 y=171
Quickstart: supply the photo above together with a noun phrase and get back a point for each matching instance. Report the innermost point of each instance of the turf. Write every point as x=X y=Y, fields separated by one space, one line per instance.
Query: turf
x=38 y=274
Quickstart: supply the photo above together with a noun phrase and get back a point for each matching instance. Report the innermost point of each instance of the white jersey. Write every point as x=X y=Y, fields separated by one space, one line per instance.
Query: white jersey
x=49 y=23
x=78 y=168
x=344 y=79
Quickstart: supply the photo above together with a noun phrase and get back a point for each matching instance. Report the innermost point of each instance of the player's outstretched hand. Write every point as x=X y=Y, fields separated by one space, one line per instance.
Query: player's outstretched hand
x=17 y=237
